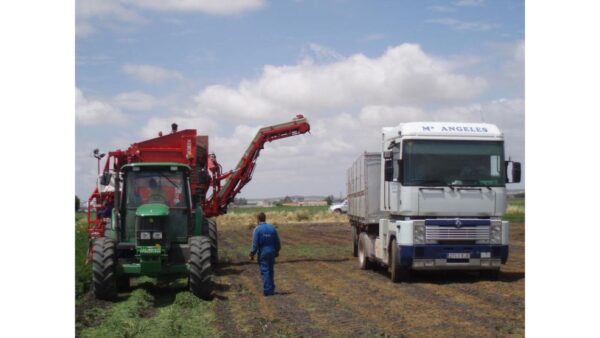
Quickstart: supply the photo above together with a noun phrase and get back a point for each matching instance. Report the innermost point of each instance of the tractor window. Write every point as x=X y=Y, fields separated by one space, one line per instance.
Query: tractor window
x=155 y=187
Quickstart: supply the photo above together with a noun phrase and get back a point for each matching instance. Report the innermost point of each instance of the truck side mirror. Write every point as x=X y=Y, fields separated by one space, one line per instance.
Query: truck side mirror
x=388 y=170
x=105 y=179
x=516 y=172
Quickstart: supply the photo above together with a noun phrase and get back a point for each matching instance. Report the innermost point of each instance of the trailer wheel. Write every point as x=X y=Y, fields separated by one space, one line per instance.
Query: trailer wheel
x=354 y=242
x=363 y=259
x=214 y=243
x=104 y=265
x=398 y=273
x=490 y=274
x=200 y=274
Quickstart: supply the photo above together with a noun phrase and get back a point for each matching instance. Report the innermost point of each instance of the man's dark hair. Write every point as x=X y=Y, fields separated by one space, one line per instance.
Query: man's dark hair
x=261 y=217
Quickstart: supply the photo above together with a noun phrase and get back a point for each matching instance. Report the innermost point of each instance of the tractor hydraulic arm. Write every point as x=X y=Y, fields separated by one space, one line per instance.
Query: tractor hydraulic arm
x=242 y=174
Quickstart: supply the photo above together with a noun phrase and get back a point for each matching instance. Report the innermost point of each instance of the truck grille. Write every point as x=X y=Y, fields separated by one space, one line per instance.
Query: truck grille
x=446 y=233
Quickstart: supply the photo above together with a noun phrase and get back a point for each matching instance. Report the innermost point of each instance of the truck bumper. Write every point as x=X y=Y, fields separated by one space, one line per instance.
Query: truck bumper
x=453 y=257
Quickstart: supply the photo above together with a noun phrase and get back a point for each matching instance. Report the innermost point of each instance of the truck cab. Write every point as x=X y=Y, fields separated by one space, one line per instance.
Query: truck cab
x=442 y=194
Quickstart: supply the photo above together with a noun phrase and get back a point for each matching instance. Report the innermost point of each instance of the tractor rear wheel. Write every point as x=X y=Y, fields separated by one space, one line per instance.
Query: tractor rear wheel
x=200 y=274
x=104 y=266
x=214 y=243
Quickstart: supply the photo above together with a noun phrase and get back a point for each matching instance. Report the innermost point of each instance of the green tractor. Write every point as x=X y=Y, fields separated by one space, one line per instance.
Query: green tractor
x=150 y=214
x=154 y=232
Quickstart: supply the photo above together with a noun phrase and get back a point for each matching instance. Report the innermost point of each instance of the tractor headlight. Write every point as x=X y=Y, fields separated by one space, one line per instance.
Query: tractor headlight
x=496 y=233
x=419 y=234
x=144 y=235
x=157 y=235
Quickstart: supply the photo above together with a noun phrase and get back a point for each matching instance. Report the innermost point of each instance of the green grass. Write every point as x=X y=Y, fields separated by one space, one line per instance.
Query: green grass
x=516 y=210
x=83 y=272
x=142 y=316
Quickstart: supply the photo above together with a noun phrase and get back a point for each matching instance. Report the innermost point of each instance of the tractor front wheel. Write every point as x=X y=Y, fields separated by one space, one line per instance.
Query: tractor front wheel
x=200 y=275
x=104 y=265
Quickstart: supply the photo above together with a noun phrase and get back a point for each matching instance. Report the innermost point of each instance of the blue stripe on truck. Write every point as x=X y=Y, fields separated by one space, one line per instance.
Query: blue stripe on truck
x=440 y=251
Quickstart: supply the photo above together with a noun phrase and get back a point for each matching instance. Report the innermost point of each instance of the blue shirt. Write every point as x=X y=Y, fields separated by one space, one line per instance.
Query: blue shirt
x=265 y=239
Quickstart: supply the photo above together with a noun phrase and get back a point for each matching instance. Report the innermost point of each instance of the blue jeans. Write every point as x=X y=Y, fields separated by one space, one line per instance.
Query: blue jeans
x=266 y=262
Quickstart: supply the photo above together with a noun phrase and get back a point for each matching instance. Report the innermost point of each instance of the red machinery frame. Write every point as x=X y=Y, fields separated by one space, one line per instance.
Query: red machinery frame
x=188 y=148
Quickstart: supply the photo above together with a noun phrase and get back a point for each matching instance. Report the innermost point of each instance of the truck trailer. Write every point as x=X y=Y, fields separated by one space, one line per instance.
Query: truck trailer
x=432 y=199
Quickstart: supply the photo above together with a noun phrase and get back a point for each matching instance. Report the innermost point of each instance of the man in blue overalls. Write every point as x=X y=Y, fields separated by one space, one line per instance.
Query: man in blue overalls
x=265 y=241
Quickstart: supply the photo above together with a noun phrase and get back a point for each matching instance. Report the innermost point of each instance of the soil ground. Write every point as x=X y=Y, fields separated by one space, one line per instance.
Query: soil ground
x=320 y=291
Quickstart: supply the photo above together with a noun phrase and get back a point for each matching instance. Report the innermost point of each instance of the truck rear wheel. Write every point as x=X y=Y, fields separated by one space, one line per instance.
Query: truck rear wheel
x=354 y=242
x=104 y=266
x=363 y=259
x=200 y=274
x=398 y=273
x=214 y=243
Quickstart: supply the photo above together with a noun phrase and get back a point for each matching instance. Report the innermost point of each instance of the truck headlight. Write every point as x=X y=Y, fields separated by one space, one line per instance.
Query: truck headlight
x=419 y=234
x=144 y=235
x=157 y=235
x=496 y=234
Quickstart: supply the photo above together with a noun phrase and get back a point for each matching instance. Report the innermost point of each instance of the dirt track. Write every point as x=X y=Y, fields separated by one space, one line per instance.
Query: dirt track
x=321 y=292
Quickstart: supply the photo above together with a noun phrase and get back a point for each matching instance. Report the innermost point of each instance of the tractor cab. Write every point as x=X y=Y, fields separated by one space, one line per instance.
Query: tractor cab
x=156 y=204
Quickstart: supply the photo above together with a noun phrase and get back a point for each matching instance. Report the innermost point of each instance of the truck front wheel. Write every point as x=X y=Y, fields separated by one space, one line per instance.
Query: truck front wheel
x=363 y=259
x=398 y=273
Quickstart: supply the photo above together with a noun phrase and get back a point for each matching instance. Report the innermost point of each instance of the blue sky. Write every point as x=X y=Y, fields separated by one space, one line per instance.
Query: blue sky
x=352 y=67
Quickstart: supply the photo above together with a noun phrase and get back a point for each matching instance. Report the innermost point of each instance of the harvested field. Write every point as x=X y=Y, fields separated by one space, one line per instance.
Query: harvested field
x=320 y=292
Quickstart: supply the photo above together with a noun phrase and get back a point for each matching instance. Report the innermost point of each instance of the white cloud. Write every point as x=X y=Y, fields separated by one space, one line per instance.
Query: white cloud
x=91 y=12
x=403 y=75
x=439 y=8
x=135 y=101
x=95 y=112
x=469 y=3
x=215 y=7
x=463 y=25
x=515 y=68
x=205 y=126
x=323 y=53
x=151 y=74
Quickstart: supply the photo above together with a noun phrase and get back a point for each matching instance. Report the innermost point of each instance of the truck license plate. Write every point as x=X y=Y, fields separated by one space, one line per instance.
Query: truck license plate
x=459 y=255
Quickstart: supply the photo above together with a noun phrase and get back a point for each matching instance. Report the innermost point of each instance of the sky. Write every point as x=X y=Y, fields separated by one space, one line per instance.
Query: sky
x=227 y=68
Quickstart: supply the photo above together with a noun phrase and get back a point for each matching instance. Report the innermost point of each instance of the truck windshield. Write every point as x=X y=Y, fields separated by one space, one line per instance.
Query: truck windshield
x=460 y=163
x=165 y=187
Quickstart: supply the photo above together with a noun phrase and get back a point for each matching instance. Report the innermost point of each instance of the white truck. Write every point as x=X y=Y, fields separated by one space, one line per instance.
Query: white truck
x=432 y=199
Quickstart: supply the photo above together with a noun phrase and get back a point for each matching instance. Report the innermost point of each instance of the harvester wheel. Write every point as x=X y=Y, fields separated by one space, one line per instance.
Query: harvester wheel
x=354 y=242
x=104 y=266
x=214 y=243
x=398 y=273
x=363 y=259
x=200 y=275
